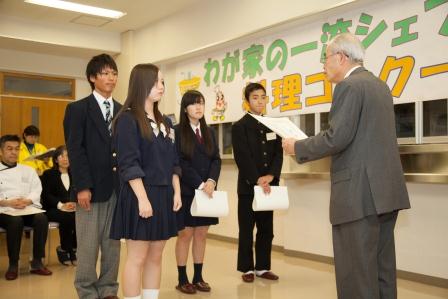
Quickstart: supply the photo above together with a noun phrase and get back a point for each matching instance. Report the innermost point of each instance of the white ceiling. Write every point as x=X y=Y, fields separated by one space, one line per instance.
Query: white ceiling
x=138 y=12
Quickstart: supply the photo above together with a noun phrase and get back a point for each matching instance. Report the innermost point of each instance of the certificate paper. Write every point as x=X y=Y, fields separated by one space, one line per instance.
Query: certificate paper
x=29 y=210
x=204 y=206
x=276 y=200
x=41 y=156
x=281 y=126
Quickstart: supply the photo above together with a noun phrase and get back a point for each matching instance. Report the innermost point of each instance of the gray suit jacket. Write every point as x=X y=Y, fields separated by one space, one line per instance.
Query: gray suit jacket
x=366 y=173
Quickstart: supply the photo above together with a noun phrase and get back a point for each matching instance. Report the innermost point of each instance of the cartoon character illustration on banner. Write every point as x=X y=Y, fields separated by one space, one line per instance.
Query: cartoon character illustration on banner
x=220 y=105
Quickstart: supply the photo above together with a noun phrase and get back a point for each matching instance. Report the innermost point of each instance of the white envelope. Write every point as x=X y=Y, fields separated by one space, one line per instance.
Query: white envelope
x=276 y=200
x=204 y=206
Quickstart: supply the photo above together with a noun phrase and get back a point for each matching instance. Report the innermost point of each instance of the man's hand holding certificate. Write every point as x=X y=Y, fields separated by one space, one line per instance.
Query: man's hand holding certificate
x=285 y=128
x=282 y=126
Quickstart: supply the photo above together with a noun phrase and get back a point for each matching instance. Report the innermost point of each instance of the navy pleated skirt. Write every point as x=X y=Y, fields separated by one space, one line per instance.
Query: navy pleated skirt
x=127 y=224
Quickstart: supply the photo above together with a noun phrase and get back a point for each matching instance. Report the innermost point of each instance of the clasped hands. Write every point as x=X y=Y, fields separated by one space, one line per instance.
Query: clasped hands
x=18 y=203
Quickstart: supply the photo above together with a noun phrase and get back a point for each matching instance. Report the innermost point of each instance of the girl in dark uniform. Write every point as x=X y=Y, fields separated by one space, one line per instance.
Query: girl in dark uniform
x=201 y=165
x=149 y=182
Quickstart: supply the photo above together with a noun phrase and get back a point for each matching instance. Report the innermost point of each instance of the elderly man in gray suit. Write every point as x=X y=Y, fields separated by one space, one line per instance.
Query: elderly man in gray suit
x=367 y=181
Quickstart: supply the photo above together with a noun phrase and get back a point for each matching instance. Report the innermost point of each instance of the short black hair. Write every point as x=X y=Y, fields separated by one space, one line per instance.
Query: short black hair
x=57 y=152
x=252 y=87
x=97 y=64
x=31 y=130
x=6 y=138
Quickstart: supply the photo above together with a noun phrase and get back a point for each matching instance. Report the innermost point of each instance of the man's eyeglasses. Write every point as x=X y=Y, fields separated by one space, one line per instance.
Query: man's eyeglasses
x=325 y=57
x=107 y=74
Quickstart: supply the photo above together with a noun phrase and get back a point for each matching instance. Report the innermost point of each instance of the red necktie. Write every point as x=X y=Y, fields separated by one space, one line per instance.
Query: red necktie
x=198 y=136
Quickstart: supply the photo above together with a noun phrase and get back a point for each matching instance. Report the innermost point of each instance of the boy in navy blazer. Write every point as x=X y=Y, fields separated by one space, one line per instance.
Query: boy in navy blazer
x=87 y=129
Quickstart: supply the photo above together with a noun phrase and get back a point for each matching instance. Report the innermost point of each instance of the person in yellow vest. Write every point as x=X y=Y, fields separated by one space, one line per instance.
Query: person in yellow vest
x=29 y=146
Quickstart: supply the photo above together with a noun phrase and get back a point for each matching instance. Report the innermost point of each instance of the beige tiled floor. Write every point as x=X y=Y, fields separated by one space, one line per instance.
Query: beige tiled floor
x=298 y=278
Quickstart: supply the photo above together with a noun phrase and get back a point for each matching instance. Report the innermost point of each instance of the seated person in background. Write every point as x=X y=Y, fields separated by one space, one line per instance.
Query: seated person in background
x=56 y=201
x=20 y=187
x=30 y=146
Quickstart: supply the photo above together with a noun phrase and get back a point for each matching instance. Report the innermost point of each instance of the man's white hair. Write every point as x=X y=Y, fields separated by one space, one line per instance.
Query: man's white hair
x=349 y=45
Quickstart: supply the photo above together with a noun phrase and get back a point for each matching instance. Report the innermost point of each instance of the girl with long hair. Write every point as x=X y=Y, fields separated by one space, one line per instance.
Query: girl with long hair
x=201 y=166
x=149 y=173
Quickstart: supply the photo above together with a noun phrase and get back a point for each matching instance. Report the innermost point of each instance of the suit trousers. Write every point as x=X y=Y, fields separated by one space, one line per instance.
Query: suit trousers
x=364 y=256
x=247 y=219
x=14 y=230
x=92 y=231
x=67 y=231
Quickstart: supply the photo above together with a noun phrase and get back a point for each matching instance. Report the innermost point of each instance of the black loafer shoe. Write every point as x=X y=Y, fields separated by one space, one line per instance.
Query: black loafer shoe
x=63 y=256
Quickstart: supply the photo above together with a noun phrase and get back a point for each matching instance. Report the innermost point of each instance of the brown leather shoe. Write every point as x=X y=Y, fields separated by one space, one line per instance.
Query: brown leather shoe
x=268 y=275
x=11 y=274
x=202 y=286
x=248 y=277
x=41 y=271
x=186 y=288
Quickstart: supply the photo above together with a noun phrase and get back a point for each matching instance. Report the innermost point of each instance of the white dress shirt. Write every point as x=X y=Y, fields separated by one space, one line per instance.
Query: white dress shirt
x=351 y=71
x=194 y=127
x=100 y=99
x=66 y=182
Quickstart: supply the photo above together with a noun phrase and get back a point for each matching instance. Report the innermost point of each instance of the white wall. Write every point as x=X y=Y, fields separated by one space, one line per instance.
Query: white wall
x=215 y=21
x=42 y=64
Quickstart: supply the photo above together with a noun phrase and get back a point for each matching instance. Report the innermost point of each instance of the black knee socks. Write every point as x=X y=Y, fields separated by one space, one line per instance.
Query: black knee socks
x=182 y=275
x=197 y=273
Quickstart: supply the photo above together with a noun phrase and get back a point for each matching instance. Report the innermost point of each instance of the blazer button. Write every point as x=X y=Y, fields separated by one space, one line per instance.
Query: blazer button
x=265 y=164
x=263 y=142
x=264 y=153
x=114 y=154
x=114 y=168
x=261 y=131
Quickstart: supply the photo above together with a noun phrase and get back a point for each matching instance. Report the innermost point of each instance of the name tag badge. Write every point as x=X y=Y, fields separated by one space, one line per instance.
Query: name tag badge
x=271 y=136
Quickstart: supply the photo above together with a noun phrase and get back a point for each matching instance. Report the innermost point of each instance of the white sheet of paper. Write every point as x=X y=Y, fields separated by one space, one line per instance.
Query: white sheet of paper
x=276 y=200
x=29 y=210
x=282 y=126
x=204 y=206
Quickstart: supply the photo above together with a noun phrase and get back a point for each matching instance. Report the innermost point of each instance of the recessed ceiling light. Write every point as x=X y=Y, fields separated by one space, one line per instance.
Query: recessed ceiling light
x=85 y=9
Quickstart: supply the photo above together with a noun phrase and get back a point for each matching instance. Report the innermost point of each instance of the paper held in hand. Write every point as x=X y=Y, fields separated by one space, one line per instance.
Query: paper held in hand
x=276 y=200
x=282 y=126
x=41 y=156
x=29 y=210
x=204 y=206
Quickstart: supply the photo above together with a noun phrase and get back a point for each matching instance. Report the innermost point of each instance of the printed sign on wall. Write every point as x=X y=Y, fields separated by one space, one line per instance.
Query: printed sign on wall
x=406 y=45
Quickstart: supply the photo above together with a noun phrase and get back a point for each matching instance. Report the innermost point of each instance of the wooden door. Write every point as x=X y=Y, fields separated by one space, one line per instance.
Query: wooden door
x=18 y=113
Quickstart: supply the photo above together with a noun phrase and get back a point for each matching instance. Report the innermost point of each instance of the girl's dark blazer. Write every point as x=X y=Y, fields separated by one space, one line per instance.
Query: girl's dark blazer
x=201 y=166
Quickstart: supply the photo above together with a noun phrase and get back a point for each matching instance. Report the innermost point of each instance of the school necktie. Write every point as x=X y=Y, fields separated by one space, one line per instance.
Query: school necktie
x=198 y=136
x=108 y=116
